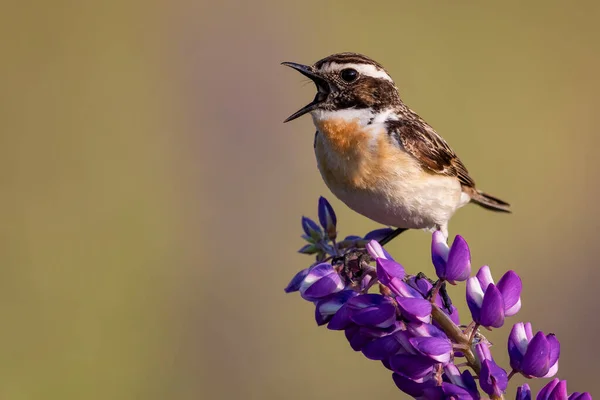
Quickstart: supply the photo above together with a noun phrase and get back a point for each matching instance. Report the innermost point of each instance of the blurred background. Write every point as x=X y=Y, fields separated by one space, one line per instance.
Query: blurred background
x=151 y=196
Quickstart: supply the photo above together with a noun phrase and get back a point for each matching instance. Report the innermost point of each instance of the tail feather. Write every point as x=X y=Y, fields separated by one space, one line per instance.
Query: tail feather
x=488 y=201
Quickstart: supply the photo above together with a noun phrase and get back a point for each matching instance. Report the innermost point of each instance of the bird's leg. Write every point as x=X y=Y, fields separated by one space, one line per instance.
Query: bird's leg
x=445 y=298
x=439 y=288
x=391 y=236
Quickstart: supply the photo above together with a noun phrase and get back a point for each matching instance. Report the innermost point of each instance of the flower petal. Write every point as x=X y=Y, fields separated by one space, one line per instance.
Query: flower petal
x=536 y=361
x=296 y=281
x=327 y=307
x=458 y=266
x=411 y=387
x=552 y=371
x=437 y=349
x=381 y=316
x=580 y=396
x=456 y=392
x=517 y=345
x=510 y=286
x=492 y=308
x=382 y=348
x=356 y=338
x=415 y=309
x=321 y=281
x=341 y=319
x=425 y=330
x=528 y=331
x=327 y=217
x=439 y=253
x=388 y=269
x=482 y=350
x=406 y=290
x=377 y=251
x=412 y=366
x=545 y=392
x=484 y=276
x=470 y=384
x=366 y=300
x=523 y=392
x=492 y=379
x=421 y=285
x=474 y=297
x=554 y=355
x=453 y=374
x=559 y=392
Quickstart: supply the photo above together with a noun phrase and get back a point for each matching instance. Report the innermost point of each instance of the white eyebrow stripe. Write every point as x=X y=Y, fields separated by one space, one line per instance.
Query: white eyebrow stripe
x=363 y=69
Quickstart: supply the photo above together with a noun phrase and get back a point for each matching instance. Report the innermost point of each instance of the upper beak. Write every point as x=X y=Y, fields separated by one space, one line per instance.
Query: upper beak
x=322 y=87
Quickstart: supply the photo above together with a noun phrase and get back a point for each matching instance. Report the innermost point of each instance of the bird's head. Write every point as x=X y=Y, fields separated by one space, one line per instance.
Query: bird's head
x=347 y=81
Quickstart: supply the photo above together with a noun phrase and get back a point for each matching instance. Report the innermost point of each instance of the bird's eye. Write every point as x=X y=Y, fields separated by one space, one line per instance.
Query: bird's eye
x=349 y=75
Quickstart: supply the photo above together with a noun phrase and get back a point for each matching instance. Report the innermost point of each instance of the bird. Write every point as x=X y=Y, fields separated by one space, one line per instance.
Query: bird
x=377 y=155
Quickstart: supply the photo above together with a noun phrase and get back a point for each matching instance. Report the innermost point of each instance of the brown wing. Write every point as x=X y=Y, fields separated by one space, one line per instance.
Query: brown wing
x=423 y=143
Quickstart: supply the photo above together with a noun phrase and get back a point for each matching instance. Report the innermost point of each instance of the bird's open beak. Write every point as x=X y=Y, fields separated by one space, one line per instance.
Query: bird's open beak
x=322 y=89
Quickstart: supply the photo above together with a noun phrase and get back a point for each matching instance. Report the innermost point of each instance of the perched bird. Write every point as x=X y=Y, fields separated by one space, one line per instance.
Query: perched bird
x=377 y=155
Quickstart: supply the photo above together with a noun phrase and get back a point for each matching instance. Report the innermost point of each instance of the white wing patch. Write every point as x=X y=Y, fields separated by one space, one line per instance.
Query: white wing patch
x=363 y=69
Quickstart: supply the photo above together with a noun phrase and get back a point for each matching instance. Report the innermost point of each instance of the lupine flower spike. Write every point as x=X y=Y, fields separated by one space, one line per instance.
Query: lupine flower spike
x=405 y=325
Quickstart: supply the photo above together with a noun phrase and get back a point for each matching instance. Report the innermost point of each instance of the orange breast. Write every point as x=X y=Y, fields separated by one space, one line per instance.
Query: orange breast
x=354 y=157
x=344 y=137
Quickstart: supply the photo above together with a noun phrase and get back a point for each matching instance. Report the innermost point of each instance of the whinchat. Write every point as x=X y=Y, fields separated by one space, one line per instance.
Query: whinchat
x=377 y=155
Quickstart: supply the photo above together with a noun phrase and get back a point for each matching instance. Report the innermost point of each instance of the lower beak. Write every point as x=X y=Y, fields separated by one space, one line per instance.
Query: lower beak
x=322 y=87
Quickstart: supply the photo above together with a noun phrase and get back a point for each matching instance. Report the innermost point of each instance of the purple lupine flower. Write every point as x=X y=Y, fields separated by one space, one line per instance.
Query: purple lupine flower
x=372 y=310
x=523 y=392
x=412 y=366
x=580 y=396
x=377 y=251
x=452 y=264
x=383 y=343
x=296 y=281
x=388 y=269
x=413 y=388
x=327 y=307
x=321 y=281
x=459 y=386
x=413 y=306
x=533 y=355
x=423 y=287
x=327 y=218
x=490 y=304
x=414 y=309
x=397 y=328
x=492 y=378
x=557 y=390
x=430 y=341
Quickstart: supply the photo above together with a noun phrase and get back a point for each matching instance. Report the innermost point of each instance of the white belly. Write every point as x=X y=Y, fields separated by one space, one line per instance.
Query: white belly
x=406 y=202
x=392 y=190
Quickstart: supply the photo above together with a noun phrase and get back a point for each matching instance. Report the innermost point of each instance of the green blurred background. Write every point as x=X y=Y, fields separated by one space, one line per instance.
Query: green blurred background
x=151 y=196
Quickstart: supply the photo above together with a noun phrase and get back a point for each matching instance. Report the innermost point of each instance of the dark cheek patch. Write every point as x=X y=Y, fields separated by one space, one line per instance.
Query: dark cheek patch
x=367 y=92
